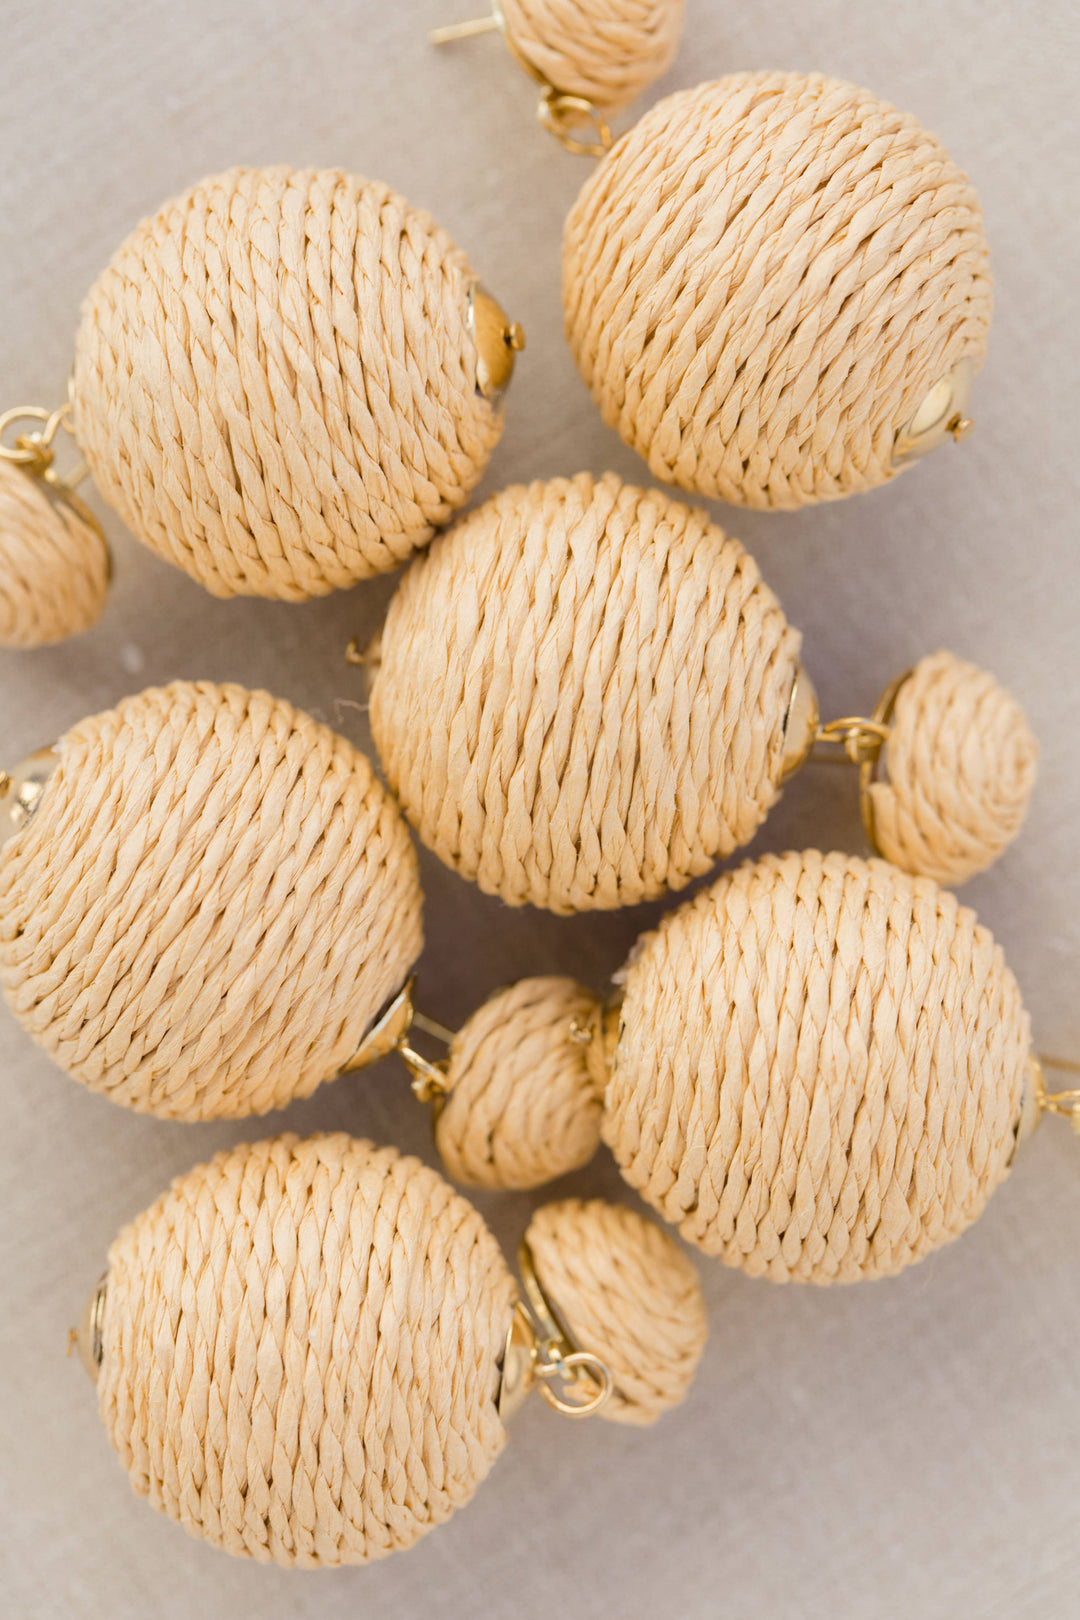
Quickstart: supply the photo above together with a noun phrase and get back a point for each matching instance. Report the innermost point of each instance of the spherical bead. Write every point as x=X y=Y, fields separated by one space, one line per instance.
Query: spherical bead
x=210 y=905
x=275 y=382
x=820 y=1068
x=958 y=772
x=627 y=1294
x=54 y=566
x=607 y=51
x=301 y=1351
x=581 y=695
x=763 y=280
x=525 y=1088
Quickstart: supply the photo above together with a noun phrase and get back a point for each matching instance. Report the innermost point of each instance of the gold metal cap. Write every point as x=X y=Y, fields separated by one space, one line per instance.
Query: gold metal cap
x=800 y=725
x=497 y=339
x=22 y=790
x=943 y=414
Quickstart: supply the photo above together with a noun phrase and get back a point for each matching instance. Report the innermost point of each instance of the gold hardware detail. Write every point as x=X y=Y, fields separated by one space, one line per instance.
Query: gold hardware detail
x=33 y=449
x=90 y=1333
x=22 y=790
x=390 y=1033
x=572 y=1381
x=1066 y=1103
x=802 y=724
x=601 y=1027
x=942 y=414
x=497 y=340
x=862 y=742
x=464 y=30
x=561 y=114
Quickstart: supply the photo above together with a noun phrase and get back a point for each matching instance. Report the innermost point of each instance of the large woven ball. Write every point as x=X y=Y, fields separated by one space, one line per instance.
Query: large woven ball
x=276 y=385
x=301 y=1346
x=210 y=905
x=54 y=566
x=607 y=51
x=820 y=1069
x=764 y=279
x=581 y=695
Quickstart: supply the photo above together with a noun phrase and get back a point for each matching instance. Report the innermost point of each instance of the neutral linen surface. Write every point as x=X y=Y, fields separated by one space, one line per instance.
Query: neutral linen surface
x=900 y=1449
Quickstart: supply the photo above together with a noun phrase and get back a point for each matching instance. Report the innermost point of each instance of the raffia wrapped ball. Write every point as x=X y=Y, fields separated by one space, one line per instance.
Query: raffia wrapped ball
x=276 y=385
x=301 y=1351
x=210 y=905
x=581 y=695
x=820 y=1069
x=764 y=279
x=54 y=566
x=607 y=51
x=525 y=1088
x=627 y=1291
x=958 y=772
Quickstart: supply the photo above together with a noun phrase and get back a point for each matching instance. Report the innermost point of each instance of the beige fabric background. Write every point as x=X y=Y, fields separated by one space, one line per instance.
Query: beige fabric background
x=907 y=1449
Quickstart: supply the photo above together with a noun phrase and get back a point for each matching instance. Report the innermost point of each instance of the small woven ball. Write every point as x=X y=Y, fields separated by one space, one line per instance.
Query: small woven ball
x=958 y=772
x=210 y=905
x=581 y=695
x=54 y=566
x=624 y=1289
x=525 y=1088
x=764 y=279
x=276 y=385
x=301 y=1348
x=607 y=51
x=820 y=1068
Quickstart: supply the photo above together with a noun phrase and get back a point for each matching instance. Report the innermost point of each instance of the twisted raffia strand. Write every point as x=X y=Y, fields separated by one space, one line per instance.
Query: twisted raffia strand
x=764 y=278
x=275 y=383
x=210 y=905
x=581 y=694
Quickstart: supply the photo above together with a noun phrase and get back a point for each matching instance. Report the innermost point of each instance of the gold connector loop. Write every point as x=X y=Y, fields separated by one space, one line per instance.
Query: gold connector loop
x=1065 y=1103
x=861 y=740
x=586 y=1381
x=390 y=1033
x=34 y=451
x=567 y=117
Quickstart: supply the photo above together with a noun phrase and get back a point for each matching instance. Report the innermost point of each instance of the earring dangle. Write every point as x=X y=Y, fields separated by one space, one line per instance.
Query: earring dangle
x=819 y=1069
x=205 y=900
x=285 y=381
x=584 y=695
x=307 y=1351
x=591 y=57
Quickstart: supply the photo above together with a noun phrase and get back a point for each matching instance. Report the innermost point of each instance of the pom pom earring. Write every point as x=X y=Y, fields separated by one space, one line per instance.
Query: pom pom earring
x=777 y=289
x=284 y=382
x=205 y=900
x=307 y=1351
x=818 y=1069
x=584 y=695
x=591 y=57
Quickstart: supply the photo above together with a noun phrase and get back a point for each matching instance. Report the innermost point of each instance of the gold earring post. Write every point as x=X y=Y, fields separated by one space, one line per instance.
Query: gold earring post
x=463 y=30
